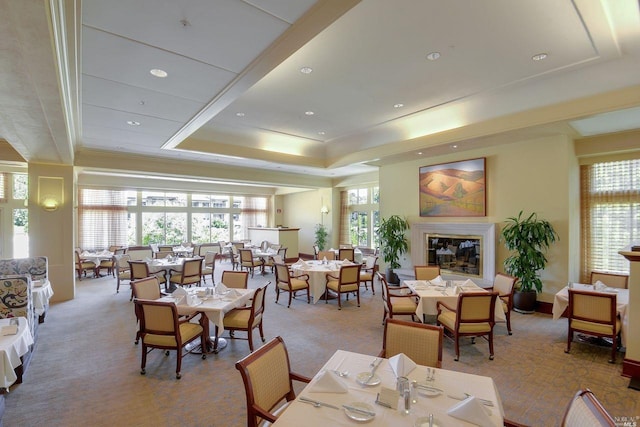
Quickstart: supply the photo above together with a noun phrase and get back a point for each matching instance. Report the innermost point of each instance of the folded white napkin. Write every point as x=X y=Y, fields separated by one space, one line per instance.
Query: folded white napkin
x=458 y=289
x=179 y=294
x=221 y=288
x=468 y=283
x=9 y=330
x=599 y=286
x=329 y=382
x=324 y=260
x=437 y=281
x=346 y=262
x=471 y=410
x=401 y=364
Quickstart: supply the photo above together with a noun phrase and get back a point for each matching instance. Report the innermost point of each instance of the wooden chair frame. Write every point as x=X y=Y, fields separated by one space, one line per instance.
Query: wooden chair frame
x=414 y=351
x=591 y=403
x=289 y=284
x=256 y=314
x=506 y=298
x=191 y=273
x=346 y=253
x=387 y=294
x=254 y=411
x=426 y=272
x=349 y=275
x=613 y=280
x=235 y=279
x=369 y=274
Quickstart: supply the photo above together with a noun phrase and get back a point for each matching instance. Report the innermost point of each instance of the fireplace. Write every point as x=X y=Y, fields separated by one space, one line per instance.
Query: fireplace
x=463 y=250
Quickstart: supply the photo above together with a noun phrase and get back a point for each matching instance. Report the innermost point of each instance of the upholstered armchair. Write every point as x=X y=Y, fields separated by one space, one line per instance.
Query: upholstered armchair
x=15 y=299
x=420 y=342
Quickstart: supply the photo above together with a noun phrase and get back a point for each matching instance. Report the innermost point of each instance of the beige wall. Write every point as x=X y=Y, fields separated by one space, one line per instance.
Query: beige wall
x=303 y=210
x=532 y=176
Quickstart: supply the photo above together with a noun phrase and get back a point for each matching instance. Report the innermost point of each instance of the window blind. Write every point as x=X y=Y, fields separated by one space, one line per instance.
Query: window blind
x=102 y=218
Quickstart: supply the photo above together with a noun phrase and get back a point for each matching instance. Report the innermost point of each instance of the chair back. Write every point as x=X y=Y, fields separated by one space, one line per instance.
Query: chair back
x=208 y=247
x=350 y=274
x=147 y=288
x=209 y=258
x=192 y=269
x=235 y=279
x=346 y=253
x=329 y=255
x=422 y=343
x=371 y=261
x=139 y=269
x=316 y=250
x=164 y=254
x=283 y=253
x=385 y=289
x=266 y=375
x=238 y=245
x=503 y=284
x=120 y=251
x=257 y=306
x=246 y=256
x=275 y=246
x=595 y=307
x=426 y=272
x=585 y=410
x=165 y=248
x=158 y=318
x=612 y=280
x=277 y=259
x=476 y=307
x=138 y=253
x=282 y=274
x=346 y=246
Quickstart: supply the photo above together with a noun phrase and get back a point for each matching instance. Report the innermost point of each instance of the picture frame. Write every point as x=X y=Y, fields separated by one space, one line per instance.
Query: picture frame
x=455 y=189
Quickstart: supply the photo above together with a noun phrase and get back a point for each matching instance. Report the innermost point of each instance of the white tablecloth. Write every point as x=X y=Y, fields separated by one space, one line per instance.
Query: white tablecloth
x=317 y=275
x=12 y=347
x=451 y=382
x=41 y=293
x=430 y=295
x=561 y=302
x=96 y=257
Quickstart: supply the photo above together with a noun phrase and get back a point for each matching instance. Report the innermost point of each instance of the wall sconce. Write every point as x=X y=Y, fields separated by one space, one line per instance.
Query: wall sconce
x=50 y=204
x=324 y=210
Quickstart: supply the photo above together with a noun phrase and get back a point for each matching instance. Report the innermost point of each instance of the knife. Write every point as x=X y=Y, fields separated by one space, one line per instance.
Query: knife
x=316 y=402
x=359 y=411
x=428 y=387
x=376 y=363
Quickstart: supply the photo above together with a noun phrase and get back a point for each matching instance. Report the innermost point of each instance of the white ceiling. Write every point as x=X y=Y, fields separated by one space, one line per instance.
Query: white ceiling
x=225 y=57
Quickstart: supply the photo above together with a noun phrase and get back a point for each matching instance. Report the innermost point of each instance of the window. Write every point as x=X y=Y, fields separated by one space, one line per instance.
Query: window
x=20 y=186
x=168 y=228
x=209 y=227
x=20 y=233
x=363 y=216
x=3 y=185
x=610 y=214
x=102 y=218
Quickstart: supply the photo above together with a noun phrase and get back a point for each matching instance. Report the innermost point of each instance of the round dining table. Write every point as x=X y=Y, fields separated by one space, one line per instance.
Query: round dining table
x=317 y=272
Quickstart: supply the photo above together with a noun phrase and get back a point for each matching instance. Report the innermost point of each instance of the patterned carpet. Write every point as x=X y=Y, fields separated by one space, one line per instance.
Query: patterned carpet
x=85 y=369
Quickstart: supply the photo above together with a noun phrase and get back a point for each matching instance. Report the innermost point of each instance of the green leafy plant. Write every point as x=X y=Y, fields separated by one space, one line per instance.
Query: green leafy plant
x=321 y=236
x=393 y=241
x=529 y=239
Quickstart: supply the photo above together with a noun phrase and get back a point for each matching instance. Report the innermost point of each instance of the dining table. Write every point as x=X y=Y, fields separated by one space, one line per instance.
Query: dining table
x=12 y=347
x=212 y=308
x=317 y=271
x=41 y=293
x=561 y=302
x=437 y=392
x=430 y=292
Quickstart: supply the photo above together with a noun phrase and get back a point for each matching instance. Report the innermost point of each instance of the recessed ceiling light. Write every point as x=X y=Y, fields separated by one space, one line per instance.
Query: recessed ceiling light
x=309 y=113
x=321 y=132
x=539 y=56
x=240 y=114
x=306 y=70
x=432 y=56
x=141 y=102
x=159 y=73
x=398 y=105
x=133 y=123
x=454 y=146
x=420 y=153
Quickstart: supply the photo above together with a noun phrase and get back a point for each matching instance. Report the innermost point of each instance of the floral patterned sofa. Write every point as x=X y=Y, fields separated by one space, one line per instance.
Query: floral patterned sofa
x=16 y=300
x=11 y=269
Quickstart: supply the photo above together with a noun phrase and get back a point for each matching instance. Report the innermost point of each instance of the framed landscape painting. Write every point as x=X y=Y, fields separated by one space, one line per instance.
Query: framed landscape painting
x=453 y=189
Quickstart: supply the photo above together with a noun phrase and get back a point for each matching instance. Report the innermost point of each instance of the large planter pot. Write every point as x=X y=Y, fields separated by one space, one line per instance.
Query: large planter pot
x=525 y=302
x=392 y=278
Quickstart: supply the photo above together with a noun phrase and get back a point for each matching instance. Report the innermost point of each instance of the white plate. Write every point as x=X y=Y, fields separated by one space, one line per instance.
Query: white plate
x=428 y=392
x=357 y=416
x=363 y=376
x=424 y=422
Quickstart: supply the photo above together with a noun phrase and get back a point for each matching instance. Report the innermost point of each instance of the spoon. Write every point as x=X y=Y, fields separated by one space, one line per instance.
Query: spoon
x=342 y=373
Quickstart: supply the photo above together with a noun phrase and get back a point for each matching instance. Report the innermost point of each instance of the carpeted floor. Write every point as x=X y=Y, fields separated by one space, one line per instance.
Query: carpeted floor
x=86 y=368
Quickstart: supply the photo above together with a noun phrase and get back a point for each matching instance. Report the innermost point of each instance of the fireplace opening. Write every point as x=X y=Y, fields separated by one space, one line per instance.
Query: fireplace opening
x=455 y=254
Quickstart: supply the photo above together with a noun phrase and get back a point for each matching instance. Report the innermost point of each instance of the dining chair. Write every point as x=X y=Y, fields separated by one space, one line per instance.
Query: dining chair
x=209 y=266
x=247 y=318
x=235 y=279
x=140 y=253
x=122 y=269
x=165 y=248
x=164 y=254
x=289 y=284
x=368 y=272
x=347 y=281
x=160 y=328
x=346 y=253
x=280 y=256
x=316 y=250
x=235 y=257
x=426 y=272
x=473 y=317
x=82 y=265
x=585 y=410
x=398 y=301
x=267 y=377
x=613 y=280
x=140 y=270
x=147 y=289
x=249 y=262
x=504 y=285
x=421 y=342
x=328 y=255
x=191 y=273
x=594 y=313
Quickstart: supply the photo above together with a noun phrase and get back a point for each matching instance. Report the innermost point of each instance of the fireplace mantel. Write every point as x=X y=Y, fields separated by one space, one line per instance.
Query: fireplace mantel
x=486 y=230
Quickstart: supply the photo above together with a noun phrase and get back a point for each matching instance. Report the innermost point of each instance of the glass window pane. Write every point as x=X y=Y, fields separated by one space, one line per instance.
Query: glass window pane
x=152 y=198
x=201 y=200
x=20 y=233
x=220 y=227
x=176 y=199
x=176 y=228
x=200 y=227
x=375 y=242
x=132 y=198
x=20 y=186
x=153 y=225
x=220 y=201
x=132 y=226
x=376 y=195
x=359 y=228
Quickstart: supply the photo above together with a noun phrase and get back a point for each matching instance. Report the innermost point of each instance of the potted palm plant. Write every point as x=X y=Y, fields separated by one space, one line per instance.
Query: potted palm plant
x=321 y=236
x=528 y=239
x=393 y=243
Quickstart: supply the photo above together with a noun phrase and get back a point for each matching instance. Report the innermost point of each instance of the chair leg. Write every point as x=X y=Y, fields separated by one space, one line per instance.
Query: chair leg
x=277 y=293
x=457 y=348
x=261 y=331
x=491 y=345
x=250 y=338
x=179 y=363
x=290 y=297
x=569 y=339
x=358 y=296
x=340 y=300
x=614 y=344
x=508 y=314
x=143 y=363
x=308 y=296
